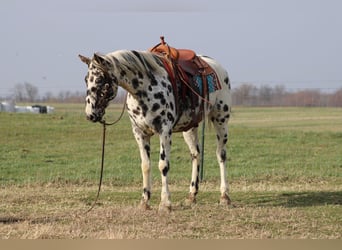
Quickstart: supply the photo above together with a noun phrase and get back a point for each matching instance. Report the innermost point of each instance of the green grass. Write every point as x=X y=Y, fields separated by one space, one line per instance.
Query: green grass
x=284 y=169
x=265 y=144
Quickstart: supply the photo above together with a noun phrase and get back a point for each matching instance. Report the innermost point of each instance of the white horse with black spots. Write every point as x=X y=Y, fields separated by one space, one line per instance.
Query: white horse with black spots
x=152 y=110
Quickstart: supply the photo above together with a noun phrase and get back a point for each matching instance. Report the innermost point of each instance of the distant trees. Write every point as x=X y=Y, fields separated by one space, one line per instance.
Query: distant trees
x=25 y=92
x=249 y=95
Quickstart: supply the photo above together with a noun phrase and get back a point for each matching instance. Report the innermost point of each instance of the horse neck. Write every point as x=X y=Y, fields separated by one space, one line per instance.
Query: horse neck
x=130 y=79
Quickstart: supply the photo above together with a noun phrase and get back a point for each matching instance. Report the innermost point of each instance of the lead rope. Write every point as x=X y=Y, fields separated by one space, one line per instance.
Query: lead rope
x=104 y=123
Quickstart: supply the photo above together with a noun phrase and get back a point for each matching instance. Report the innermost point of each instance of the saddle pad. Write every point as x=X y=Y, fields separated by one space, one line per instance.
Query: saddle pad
x=213 y=83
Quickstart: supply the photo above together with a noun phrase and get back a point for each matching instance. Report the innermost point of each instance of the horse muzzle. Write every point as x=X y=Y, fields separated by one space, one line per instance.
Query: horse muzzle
x=94 y=118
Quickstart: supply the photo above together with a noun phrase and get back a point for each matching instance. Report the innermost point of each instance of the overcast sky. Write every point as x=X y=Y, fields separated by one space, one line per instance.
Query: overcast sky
x=297 y=43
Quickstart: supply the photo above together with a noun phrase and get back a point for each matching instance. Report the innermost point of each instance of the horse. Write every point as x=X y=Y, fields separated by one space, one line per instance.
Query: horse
x=151 y=104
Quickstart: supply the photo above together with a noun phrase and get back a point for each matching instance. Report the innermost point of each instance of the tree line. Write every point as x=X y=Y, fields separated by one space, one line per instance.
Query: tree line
x=250 y=95
x=245 y=94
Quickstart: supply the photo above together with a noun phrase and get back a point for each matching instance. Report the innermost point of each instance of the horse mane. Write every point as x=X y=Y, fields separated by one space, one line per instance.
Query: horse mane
x=132 y=60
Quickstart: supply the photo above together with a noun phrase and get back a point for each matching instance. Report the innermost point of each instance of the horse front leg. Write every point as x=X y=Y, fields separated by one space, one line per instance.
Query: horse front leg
x=143 y=142
x=164 y=167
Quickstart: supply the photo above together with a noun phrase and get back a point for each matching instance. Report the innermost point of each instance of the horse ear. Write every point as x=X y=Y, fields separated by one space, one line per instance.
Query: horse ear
x=101 y=60
x=84 y=59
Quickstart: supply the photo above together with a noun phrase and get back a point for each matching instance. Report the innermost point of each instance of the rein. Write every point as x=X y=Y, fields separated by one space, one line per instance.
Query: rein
x=104 y=123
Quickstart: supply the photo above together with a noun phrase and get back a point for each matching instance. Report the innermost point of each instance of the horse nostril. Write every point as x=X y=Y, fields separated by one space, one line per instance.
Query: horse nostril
x=91 y=117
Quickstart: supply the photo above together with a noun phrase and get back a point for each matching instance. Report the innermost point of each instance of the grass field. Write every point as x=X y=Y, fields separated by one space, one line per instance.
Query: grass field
x=284 y=165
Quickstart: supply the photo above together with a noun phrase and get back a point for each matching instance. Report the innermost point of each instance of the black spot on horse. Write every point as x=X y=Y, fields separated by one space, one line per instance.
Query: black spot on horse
x=223 y=155
x=171 y=105
x=162 y=155
x=141 y=93
x=147 y=149
x=225 y=108
x=148 y=193
x=144 y=107
x=157 y=124
x=155 y=107
x=154 y=82
x=136 y=112
x=163 y=101
x=140 y=75
x=122 y=73
x=170 y=117
x=135 y=83
x=158 y=95
x=166 y=169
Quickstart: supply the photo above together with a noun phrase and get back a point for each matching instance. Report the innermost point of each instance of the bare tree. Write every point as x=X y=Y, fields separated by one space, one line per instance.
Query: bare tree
x=18 y=92
x=265 y=93
x=25 y=92
x=31 y=92
x=244 y=94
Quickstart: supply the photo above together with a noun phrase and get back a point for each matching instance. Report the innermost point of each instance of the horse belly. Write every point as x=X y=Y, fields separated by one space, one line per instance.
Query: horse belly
x=187 y=120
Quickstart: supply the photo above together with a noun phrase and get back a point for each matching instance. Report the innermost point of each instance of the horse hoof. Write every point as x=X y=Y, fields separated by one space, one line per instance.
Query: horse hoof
x=144 y=206
x=225 y=200
x=190 y=201
x=164 y=208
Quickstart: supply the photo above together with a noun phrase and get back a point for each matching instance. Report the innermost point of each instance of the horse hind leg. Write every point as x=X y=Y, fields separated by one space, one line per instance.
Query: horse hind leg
x=191 y=139
x=220 y=122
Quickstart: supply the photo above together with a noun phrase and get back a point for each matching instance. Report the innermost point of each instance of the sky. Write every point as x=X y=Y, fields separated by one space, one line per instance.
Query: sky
x=295 y=43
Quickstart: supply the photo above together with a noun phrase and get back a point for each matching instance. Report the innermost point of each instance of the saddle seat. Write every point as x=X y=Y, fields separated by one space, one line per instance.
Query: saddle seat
x=185 y=58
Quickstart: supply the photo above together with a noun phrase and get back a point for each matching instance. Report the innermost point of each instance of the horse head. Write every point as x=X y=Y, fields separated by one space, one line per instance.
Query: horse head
x=102 y=86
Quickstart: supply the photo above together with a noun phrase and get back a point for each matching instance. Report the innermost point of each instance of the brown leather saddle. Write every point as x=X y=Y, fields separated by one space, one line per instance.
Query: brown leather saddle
x=183 y=66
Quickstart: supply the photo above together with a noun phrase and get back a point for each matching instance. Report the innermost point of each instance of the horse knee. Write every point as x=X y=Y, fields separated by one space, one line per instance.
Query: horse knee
x=145 y=167
x=223 y=155
x=164 y=168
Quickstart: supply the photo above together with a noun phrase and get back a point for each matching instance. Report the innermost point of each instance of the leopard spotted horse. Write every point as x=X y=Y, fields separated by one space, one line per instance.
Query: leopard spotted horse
x=151 y=104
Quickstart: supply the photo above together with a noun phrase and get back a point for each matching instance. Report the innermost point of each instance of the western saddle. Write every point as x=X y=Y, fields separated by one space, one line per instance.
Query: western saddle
x=183 y=66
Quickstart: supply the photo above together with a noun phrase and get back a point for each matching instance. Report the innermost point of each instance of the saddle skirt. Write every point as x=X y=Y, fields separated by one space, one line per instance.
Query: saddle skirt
x=197 y=79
